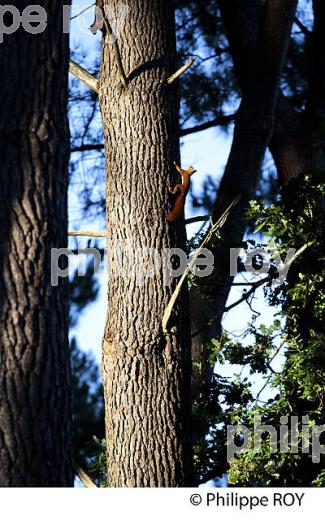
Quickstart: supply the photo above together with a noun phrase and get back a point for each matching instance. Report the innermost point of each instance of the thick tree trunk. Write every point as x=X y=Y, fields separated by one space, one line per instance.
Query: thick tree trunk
x=146 y=374
x=34 y=357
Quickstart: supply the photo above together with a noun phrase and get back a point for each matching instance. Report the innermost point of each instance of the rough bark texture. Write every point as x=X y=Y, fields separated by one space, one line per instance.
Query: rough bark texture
x=34 y=357
x=146 y=375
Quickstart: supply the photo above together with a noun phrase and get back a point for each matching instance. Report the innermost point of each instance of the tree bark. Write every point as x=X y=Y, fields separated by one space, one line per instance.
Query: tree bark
x=34 y=356
x=146 y=375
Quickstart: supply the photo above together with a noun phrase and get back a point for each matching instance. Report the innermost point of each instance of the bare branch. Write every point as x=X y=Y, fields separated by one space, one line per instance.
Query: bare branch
x=203 y=218
x=82 y=11
x=83 y=75
x=255 y=285
x=218 y=121
x=297 y=254
x=247 y=294
x=88 y=148
x=85 y=479
x=302 y=27
x=180 y=71
x=99 y=234
x=102 y=234
x=210 y=234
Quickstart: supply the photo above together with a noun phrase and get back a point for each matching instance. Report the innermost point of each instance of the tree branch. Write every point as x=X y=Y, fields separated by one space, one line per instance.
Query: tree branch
x=192 y=220
x=257 y=398
x=218 y=121
x=302 y=27
x=83 y=75
x=218 y=225
x=255 y=285
x=82 y=11
x=98 y=234
x=85 y=479
x=245 y=296
x=180 y=71
x=88 y=148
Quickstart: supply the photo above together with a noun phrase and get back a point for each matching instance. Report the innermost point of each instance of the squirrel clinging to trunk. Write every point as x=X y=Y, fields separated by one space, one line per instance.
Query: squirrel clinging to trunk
x=180 y=191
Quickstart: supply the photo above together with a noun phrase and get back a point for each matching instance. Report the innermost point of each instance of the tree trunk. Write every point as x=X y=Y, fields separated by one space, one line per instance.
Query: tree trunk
x=258 y=36
x=34 y=151
x=146 y=374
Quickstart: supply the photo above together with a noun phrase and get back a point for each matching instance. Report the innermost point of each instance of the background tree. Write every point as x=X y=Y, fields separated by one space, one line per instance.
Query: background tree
x=297 y=152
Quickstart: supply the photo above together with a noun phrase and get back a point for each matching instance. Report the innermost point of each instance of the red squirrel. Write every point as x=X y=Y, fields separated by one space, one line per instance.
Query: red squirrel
x=180 y=191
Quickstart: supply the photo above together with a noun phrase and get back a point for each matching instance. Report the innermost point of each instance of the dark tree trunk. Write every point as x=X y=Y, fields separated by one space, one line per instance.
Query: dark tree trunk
x=256 y=116
x=304 y=323
x=34 y=356
x=258 y=37
x=146 y=374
